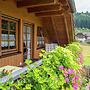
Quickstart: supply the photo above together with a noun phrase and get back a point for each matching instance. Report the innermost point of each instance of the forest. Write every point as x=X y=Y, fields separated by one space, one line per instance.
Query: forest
x=82 y=20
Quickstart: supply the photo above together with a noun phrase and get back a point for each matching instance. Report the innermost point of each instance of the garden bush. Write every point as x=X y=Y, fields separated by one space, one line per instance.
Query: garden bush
x=59 y=71
x=76 y=49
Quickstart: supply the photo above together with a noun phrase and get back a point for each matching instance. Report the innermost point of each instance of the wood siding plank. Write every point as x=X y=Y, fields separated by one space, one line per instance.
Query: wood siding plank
x=22 y=3
x=44 y=8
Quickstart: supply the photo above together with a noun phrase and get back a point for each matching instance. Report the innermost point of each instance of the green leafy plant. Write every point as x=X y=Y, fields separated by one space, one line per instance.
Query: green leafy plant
x=76 y=49
x=59 y=71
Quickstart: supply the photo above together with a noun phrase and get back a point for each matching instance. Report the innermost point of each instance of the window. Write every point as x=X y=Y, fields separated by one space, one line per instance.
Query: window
x=8 y=35
x=27 y=40
x=40 y=38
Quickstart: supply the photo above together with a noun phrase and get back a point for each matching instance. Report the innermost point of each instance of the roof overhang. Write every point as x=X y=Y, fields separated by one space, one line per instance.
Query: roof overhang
x=47 y=7
x=72 y=5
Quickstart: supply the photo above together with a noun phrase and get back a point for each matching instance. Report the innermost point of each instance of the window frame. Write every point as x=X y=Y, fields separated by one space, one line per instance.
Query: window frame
x=9 y=19
x=26 y=34
x=31 y=25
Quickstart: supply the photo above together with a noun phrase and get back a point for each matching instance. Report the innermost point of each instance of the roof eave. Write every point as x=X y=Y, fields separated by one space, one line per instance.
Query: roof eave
x=73 y=7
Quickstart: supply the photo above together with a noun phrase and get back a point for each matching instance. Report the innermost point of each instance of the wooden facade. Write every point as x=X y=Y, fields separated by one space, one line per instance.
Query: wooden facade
x=27 y=25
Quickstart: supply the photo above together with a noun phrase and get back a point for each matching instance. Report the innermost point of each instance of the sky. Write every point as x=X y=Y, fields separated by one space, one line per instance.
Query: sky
x=82 y=5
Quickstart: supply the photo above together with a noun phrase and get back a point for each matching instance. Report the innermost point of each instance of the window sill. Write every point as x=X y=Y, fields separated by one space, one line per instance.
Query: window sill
x=9 y=55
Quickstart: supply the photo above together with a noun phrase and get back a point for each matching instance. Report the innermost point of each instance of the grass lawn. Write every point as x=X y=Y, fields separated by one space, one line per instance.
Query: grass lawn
x=86 y=53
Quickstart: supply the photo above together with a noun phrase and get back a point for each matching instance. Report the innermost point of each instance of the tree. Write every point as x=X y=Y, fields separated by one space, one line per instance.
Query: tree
x=82 y=20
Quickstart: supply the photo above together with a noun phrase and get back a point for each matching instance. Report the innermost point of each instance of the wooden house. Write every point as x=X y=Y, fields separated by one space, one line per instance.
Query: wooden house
x=27 y=25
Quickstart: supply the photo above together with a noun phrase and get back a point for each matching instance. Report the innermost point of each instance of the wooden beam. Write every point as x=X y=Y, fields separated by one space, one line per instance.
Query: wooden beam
x=63 y=2
x=72 y=27
x=66 y=25
x=44 y=8
x=50 y=13
x=54 y=26
x=69 y=6
x=22 y=3
x=70 y=24
x=45 y=21
x=65 y=7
